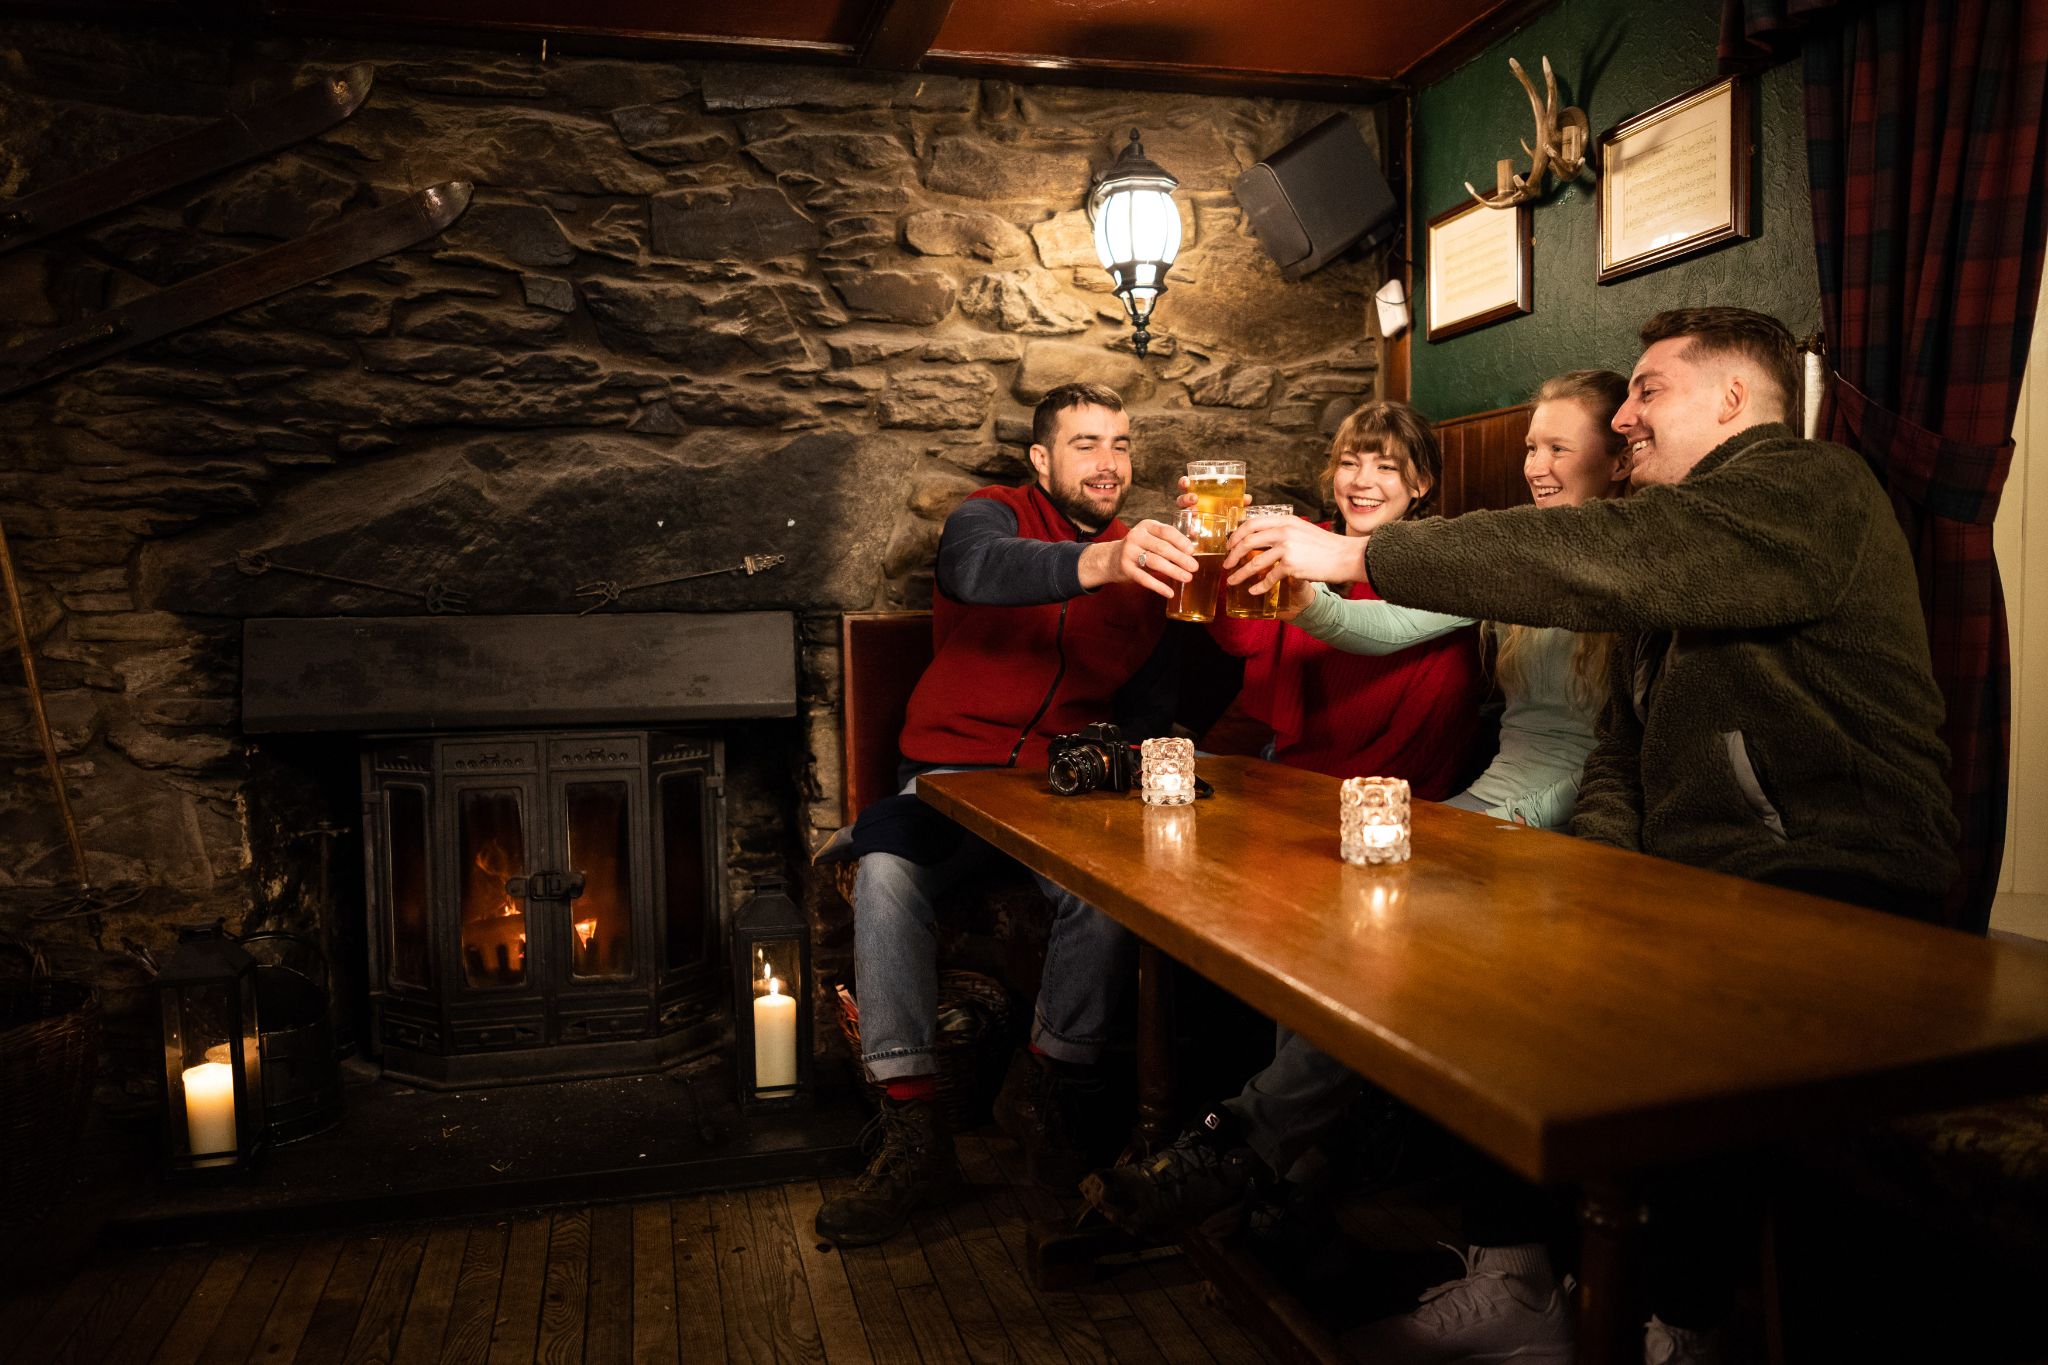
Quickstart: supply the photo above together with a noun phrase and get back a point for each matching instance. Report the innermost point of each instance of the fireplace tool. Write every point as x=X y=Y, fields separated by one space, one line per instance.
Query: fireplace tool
x=40 y=715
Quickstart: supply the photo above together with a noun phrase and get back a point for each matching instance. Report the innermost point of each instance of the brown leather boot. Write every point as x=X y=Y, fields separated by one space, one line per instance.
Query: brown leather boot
x=913 y=1165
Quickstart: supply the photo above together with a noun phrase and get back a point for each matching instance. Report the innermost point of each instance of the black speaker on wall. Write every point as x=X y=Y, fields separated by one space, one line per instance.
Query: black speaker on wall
x=1316 y=196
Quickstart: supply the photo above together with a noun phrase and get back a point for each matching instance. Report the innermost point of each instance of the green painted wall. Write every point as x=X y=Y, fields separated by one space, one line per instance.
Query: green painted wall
x=1613 y=58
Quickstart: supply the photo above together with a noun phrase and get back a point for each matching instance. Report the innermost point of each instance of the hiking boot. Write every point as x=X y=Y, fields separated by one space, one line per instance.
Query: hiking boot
x=1664 y=1344
x=1049 y=1107
x=1490 y=1314
x=913 y=1165
x=1207 y=1179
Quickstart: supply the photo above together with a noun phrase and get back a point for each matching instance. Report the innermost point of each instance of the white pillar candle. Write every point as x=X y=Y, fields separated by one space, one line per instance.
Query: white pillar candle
x=774 y=1038
x=210 y=1107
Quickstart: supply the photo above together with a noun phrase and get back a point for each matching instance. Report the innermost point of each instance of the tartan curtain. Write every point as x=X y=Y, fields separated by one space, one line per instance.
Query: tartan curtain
x=1928 y=163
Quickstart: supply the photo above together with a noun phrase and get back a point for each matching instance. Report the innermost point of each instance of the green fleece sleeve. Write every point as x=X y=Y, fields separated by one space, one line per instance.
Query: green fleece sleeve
x=1770 y=536
x=1371 y=627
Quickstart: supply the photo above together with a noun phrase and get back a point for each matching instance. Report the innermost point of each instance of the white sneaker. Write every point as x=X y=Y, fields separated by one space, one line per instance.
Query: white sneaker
x=1475 y=1320
x=1664 y=1344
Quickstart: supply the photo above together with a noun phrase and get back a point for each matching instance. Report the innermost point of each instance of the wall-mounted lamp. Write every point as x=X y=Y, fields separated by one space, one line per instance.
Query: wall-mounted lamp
x=1137 y=232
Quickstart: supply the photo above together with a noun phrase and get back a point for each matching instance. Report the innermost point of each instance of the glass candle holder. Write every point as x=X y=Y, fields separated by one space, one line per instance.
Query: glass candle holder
x=1166 y=776
x=1372 y=820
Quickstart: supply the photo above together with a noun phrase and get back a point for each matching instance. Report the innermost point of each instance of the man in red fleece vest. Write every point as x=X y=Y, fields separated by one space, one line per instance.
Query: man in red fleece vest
x=1045 y=607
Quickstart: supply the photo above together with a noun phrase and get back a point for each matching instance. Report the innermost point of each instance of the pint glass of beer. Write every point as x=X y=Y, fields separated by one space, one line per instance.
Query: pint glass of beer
x=1240 y=603
x=1218 y=486
x=1195 y=600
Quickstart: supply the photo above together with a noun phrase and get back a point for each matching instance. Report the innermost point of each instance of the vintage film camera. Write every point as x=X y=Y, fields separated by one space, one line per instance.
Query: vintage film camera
x=1097 y=758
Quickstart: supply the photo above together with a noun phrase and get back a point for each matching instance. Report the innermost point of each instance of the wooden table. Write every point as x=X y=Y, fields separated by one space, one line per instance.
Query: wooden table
x=1576 y=1011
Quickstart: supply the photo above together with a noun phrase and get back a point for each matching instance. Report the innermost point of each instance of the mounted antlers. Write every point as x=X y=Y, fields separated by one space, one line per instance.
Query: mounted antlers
x=1560 y=145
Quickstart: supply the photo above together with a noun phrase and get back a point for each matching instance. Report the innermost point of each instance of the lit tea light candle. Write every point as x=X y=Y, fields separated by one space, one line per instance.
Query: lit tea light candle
x=1166 y=775
x=210 y=1105
x=774 y=1037
x=1372 y=820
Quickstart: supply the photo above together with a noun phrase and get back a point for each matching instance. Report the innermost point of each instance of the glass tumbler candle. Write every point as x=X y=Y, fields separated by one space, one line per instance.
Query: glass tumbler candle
x=1372 y=820
x=1166 y=775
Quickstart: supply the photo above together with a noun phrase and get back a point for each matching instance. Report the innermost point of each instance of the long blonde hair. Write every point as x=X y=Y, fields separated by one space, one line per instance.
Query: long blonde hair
x=1505 y=648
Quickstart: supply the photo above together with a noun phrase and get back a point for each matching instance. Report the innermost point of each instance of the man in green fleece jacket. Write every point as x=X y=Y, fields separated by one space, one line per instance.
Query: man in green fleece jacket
x=1773 y=711
x=1773 y=715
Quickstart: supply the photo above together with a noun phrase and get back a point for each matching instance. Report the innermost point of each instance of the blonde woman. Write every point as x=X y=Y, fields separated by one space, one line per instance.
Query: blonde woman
x=1553 y=680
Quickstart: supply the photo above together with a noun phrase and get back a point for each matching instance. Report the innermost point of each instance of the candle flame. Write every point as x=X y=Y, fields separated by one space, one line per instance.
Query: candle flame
x=584 y=929
x=774 y=985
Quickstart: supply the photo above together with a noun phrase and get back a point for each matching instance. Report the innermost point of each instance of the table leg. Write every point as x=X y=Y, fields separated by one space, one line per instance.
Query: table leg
x=1155 y=1050
x=1612 y=1219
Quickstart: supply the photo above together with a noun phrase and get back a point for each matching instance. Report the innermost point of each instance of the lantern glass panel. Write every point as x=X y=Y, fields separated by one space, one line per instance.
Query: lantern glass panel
x=491 y=837
x=406 y=809
x=777 y=990
x=683 y=813
x=600 y=847
x=203 y=1022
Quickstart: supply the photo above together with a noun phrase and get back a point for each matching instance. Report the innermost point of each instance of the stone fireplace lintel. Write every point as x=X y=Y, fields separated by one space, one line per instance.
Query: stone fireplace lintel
x=365 y=673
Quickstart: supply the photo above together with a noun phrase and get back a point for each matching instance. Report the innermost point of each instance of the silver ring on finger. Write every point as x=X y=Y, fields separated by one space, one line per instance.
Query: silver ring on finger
x=1143 y=555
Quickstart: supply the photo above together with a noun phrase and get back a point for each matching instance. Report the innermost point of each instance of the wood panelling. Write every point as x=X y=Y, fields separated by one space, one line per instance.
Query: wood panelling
x=1483 y=460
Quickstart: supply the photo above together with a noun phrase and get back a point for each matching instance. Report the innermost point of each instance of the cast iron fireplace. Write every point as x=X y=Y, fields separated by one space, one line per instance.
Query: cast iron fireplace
x=543 y=905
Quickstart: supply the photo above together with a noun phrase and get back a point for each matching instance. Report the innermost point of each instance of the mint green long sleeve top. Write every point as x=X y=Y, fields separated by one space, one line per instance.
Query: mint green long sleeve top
x=1545 y=734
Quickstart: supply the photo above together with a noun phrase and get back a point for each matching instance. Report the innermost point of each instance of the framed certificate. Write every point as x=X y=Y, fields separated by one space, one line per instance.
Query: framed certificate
x=1480 y=268
x=1674 y=179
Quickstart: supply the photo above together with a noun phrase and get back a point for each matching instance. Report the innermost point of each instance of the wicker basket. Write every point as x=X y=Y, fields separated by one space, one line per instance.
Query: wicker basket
x=49 y=1051
x=972 y=1048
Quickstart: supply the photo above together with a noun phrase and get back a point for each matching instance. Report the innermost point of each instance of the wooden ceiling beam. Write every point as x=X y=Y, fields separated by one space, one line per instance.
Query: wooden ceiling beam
x=1500 y=22
x=901 y=32
x=1165 y=76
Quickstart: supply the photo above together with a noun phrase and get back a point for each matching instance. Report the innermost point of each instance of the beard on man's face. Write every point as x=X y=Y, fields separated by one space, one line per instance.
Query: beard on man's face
x=1082 y=508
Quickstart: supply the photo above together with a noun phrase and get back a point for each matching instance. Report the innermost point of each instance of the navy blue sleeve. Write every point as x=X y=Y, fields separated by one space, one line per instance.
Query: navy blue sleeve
x=984 y=562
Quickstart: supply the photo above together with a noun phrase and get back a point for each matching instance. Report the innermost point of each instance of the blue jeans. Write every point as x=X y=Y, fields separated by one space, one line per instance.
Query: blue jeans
x=1294 y=1100
x=1088 y=959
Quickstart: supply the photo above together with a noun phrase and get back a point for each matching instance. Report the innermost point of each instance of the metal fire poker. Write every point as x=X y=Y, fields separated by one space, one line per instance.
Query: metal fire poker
x=35 y=706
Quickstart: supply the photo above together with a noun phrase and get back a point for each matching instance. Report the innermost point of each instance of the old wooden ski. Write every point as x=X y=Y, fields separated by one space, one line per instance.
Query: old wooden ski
x=361 y=237
x=308 y=109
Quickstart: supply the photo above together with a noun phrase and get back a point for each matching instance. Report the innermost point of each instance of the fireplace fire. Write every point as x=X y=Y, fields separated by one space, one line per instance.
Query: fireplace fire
x=543 y=905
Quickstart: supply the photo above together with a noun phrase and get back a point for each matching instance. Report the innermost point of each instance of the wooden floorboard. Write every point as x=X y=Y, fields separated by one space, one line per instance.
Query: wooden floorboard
x=433 y=1297
x=654 y=1285
x=107 y=1321
x=782 y=1271
x=608 y=1315
x=333 y=1324
x=973 y=1315
x=474 y=1312
x=166 y=1300
x=517 y=1323
x=66 y=1314
x=234 y=1339
x=840 y=1332
x=291 y=1313
x=204 y=1307
x=385 y=1301
x=700 y=1315
x=562 y=1305
x=1068 y=1315
x=738 y=1276
x=874 y=1293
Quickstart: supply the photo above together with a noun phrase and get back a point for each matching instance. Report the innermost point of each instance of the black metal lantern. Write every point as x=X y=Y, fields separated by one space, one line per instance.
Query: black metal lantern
x=1137 y=232
x=213 y=1060
x=771 y=964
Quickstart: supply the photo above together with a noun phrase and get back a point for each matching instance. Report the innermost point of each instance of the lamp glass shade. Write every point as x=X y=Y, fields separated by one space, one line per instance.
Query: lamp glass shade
x=1137 y=231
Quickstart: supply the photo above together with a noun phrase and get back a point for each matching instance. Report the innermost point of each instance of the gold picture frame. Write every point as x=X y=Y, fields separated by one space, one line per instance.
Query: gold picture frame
x=1481 y=268
x=1675 y=179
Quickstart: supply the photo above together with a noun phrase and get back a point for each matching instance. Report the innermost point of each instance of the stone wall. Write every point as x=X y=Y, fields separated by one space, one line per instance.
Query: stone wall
x=695 y=311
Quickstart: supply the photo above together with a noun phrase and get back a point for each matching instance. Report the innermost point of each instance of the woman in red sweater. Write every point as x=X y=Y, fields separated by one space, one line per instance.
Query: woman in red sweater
x=1411 y=714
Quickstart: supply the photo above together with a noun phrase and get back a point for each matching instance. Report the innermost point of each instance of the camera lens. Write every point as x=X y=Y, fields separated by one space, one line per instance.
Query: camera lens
x=1076 y=771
